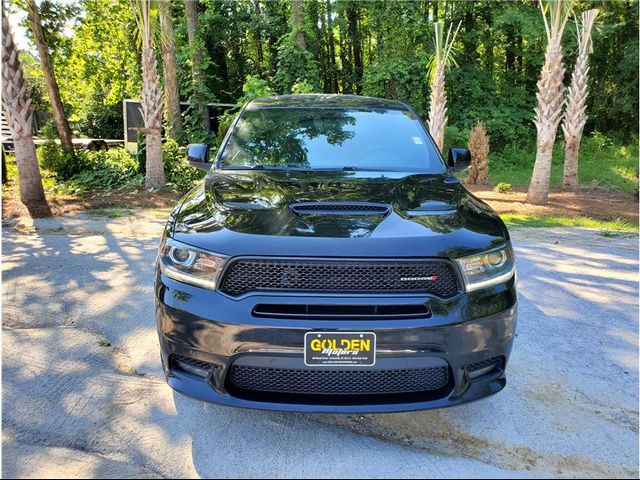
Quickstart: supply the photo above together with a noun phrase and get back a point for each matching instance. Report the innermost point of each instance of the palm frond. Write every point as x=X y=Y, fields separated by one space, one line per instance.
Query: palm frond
x=555 y=14
x=146 y=14
x=444 y=48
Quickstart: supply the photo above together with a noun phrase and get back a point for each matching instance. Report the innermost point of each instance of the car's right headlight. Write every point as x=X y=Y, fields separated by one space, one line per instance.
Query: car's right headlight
x=487 y=269
x=191 y=265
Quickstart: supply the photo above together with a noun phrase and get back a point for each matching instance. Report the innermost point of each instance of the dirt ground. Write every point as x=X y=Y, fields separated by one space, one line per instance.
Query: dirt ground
x=588 y=201
x=70 y=204
x=591 y=202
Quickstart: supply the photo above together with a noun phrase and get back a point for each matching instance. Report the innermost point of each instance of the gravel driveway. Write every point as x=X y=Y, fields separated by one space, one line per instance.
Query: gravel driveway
x=83 y=393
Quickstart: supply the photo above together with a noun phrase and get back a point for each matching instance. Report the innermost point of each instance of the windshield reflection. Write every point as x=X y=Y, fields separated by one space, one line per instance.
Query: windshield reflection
x=330 y=138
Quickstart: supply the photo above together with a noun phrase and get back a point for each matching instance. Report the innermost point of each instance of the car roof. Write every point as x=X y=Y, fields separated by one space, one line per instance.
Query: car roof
x=322 y=100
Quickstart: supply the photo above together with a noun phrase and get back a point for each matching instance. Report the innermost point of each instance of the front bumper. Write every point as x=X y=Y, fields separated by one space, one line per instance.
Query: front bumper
x=211 y=327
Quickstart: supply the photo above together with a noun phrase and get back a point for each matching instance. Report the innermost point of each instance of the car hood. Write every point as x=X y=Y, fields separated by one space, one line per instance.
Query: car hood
x=253 y=212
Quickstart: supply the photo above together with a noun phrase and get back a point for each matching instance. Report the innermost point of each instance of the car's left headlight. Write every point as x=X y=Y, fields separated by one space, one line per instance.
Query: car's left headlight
x=487 y=269
x=191 y=265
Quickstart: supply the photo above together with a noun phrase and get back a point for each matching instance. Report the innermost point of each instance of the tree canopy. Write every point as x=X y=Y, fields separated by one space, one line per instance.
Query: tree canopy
x=379 y=48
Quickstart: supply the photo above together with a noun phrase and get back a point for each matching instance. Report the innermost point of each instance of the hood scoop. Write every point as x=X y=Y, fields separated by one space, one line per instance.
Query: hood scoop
x=340 y=208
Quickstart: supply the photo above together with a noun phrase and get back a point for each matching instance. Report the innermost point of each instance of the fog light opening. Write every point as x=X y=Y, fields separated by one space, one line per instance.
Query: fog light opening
x=481 y=371
x=192 y=366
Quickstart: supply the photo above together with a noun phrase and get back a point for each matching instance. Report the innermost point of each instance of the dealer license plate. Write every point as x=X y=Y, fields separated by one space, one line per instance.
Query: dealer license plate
x=340 y=348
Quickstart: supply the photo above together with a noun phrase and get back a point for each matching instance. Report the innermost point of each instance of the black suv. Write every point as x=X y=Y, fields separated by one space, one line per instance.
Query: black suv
x=330 y=261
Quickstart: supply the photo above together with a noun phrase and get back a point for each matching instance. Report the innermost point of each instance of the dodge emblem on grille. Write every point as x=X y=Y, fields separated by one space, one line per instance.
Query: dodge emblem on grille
x=430 y=278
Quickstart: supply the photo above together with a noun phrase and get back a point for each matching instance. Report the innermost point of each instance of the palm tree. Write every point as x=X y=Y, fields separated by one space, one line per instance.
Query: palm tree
x=575 y=115
x=17 y=107
x=440 y=60
x=62 y=124
x=171 y=96
x=146 y=15
x=550 y=97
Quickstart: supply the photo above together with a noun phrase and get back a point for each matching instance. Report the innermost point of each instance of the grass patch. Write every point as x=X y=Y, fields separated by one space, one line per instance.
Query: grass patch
x=161 y=213
x=602 y=163
x=611 y=226
x=109 y=212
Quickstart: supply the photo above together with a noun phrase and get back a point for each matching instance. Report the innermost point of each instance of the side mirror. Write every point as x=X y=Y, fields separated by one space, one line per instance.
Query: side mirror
x=198 y=155
x=198 y=152
x=459 y=158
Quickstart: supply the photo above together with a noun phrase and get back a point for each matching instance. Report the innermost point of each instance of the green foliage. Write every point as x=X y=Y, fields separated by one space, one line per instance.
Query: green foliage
x=302 y=86
x=225 y=124
x=63 y=165
x=103 y=122
x=612 y=165
x=249 y=49
x=99 y=66
x=455 y=137
x=617 y=225
x=502 y=187
x=294 y=65
x=399 y=79
x=254 y=87
x=114 y=168
x=106 y=170
x=181 y=176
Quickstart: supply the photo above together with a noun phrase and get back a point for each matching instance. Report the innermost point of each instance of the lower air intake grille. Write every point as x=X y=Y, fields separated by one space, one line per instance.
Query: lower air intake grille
x=191 y=365
x=338 y=382
x=340 y=276
x=497 y=362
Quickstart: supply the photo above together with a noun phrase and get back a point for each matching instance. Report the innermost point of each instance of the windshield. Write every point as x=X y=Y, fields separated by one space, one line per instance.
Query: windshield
x=328 y=138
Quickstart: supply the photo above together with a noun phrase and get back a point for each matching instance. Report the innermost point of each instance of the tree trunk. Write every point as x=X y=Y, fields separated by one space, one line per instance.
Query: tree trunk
x=347 y=67
x=31 y=191
x=297 y=23
x=438 y=107
x=354 y=33
x=469 y=45
x=17 y=107
x=151 y=106
x=195 y=47
x=62 y=125
x=171 y=96
x=570 y=174
x=259 y=51
x=332 y=48
x=575 y=116
x=548 y=115
x=155 y=170
x=539 y=187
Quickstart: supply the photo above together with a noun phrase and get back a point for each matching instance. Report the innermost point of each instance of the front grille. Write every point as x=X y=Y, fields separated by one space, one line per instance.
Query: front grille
x=336 y=276
x=341 y=312
x=338 y=382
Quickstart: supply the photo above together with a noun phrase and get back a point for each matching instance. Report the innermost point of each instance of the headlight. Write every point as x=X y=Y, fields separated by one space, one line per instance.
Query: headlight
x=487 y=269
x=188 y=264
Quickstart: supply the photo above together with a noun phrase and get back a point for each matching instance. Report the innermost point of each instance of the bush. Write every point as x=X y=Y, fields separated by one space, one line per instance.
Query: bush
x=295 y=64
x=64 y=165
x=105 y=170
x=180 y=174
x=502 y=187
x=103 y=121
x=302 y=86
x=479 y=148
